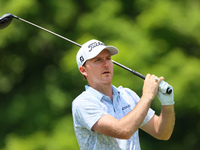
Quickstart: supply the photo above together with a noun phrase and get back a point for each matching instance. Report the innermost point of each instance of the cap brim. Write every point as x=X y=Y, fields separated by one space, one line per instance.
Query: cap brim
x=112 y=50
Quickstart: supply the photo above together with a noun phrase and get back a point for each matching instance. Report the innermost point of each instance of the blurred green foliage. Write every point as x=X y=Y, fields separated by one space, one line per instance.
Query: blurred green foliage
x=39 y=77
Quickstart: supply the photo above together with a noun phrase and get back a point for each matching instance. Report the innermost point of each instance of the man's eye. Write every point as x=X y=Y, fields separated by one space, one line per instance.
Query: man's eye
x=98 y=59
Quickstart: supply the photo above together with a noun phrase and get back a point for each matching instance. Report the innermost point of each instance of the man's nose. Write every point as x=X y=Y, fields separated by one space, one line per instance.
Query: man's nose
x=105 y=63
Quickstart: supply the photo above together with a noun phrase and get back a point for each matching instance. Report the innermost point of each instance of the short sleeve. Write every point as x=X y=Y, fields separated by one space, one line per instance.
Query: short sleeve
x=148 y=117
x=86 y=112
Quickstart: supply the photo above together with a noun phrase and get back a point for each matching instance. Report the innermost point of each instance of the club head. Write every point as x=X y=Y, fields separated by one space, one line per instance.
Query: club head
x=5 y=20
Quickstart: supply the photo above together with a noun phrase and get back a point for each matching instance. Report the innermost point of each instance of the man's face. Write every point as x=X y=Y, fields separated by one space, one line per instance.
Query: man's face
x=98 y=70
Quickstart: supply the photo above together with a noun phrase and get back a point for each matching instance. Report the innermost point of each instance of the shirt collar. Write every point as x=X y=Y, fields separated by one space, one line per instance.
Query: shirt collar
x=99 y=95
x=115 y=90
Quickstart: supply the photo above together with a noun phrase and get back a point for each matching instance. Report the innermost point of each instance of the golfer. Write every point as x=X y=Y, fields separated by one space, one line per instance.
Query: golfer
x=108 y=118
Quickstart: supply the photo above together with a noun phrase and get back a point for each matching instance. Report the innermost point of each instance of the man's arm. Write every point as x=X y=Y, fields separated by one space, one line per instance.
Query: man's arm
x=128 y=125
x=125 y=127
x=161 y=127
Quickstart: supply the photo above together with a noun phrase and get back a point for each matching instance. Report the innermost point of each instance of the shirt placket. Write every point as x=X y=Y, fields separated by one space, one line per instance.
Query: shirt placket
x=109 y=104
x=117 y=107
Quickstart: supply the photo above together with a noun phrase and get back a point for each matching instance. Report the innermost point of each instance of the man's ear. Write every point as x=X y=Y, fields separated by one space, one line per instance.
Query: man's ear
x=82 y=69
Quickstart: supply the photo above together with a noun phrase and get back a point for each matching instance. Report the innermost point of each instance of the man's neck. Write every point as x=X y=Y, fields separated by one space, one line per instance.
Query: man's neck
x=104 y=89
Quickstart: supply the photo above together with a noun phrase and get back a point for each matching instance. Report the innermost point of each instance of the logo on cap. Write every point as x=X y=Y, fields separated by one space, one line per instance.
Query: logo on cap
x=81 y=59
x=95 y=44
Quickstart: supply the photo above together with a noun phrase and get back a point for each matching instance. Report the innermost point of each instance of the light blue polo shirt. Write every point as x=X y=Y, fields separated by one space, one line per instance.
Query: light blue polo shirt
x=91 y=105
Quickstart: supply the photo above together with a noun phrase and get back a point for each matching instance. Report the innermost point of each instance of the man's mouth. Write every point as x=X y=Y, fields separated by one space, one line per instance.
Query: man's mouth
x=106 y=72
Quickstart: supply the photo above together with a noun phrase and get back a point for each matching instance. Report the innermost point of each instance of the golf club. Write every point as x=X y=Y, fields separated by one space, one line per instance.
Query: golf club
x=6 y=19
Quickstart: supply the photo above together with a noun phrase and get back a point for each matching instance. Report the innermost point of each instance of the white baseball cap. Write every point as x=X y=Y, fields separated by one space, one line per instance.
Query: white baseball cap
x=91 y=49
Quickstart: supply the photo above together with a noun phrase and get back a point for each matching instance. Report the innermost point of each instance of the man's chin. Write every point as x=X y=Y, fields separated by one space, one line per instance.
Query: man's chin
x=107 y=80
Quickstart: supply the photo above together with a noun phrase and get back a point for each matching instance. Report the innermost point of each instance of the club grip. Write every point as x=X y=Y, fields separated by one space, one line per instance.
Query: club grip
x=169 y=91
x=164 y=87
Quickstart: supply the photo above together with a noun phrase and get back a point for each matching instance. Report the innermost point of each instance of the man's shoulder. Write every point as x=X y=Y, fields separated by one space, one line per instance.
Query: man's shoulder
x=128 y=93
x=125 y=90
x=83 y=95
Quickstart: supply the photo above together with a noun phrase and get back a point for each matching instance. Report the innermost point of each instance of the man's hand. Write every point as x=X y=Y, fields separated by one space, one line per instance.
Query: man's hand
x=150 y=87
x=166 y=99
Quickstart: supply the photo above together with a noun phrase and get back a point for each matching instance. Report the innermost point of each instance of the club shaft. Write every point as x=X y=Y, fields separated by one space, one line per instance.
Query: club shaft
x=48 y=31
x=130 y=70
x=116 y=63
x=8 y=18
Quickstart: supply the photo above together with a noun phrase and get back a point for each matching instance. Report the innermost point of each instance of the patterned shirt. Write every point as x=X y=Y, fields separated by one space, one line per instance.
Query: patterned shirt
x=91 y=105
